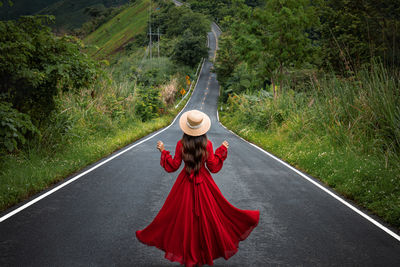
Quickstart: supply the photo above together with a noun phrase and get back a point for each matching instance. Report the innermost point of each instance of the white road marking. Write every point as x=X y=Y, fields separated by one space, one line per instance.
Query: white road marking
x=344 y=202
x=190 y=88
x=33 y=201
x=216 y=43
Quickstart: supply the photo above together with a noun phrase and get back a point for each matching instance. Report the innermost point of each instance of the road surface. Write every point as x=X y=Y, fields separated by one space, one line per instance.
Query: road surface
x=92 y=220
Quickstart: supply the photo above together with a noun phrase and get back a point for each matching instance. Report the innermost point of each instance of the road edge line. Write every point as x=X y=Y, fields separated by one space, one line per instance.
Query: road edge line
x=306 y=177
x=74 y=178
x=190 y=88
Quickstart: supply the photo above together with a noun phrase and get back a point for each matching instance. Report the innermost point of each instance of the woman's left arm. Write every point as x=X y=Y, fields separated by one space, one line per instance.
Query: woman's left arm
x=215 y=160
x=170 y=163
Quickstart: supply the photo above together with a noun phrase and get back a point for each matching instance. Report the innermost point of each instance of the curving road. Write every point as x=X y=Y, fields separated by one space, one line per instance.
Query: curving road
x=92 y=220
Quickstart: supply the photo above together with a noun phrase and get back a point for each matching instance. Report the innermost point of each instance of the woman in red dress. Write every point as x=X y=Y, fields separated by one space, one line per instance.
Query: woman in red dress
x=196 y=223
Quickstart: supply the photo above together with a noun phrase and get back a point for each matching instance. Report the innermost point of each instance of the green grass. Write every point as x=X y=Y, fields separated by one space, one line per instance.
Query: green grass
x=84 y=130
x=93 y=122
x=28 y=173
x=343 y=132
x=110 y=37
x=362 y=178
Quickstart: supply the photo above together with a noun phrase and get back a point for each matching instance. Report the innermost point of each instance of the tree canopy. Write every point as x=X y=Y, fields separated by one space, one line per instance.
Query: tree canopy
x=35 y=65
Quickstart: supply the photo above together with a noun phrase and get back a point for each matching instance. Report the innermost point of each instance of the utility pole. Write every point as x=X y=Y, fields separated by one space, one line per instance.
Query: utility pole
x=150 y=31
x=158 y=43
x=151 y=37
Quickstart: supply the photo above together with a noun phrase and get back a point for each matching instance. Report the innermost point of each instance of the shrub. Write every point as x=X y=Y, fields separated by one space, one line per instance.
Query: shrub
x=35 y=65
x=190 y=49
x=149 y=103
x=15 y=126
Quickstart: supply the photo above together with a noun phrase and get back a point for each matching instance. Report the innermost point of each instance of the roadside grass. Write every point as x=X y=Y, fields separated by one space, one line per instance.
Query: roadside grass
x=362 y=178
x=28 y=173
x=343 y=132
x=134 y=97
x=110 y=37
x=85 y=129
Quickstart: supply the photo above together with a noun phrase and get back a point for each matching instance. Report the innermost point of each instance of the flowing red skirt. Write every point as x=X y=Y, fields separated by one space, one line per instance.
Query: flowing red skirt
x=197 y=224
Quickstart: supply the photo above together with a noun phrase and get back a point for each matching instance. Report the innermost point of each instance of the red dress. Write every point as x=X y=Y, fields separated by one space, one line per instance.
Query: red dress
x=196 y=223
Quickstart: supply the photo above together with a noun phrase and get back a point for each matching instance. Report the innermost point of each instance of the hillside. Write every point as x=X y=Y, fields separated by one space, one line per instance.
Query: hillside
x=69 y=13
x=23 y=7
x=114 y=34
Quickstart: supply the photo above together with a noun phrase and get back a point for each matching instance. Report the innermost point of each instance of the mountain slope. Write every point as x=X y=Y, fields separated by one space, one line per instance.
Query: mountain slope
x=117 y=32
x=69 y=13
x=23 y=7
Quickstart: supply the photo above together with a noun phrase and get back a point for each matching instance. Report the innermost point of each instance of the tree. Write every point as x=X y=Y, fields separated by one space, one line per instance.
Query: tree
x=173 y=21
x=35 y=65
x=227 y=59
x=280 y=35
x=352 y=33
x=190 y=49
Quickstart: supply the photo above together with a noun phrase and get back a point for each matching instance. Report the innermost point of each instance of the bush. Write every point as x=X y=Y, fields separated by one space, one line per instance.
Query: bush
x=351 y=34
x=361 y=112
x=35 y=65
x=155 y=71
x=15 y=126
x=190 y=49
x=149 y=103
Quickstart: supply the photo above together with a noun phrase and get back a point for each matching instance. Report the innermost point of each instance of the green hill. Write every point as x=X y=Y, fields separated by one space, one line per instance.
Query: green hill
x=22 y=7
x=111 y=37
x=69 y=13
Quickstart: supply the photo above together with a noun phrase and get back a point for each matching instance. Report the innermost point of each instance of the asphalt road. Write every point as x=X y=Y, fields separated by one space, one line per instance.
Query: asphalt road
x=92 y=221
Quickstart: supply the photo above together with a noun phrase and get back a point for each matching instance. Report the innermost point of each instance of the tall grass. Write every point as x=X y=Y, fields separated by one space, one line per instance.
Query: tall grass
x=86 y=126
x=364 y=111
x=344 y=131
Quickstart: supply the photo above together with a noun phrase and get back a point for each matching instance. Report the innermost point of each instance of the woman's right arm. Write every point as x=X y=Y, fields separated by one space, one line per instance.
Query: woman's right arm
x=170 y=163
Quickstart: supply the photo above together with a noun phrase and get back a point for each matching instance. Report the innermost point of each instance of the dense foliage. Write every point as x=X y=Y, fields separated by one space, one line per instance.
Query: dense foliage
x=14 y=126
x=188 y=29
x=353 y=32
x=348 y=34
x=190 y=49
x=297 y=44
x=270 y=40
x=345 y=132
x=316 y=82
x=35 y=65
x=149 y=103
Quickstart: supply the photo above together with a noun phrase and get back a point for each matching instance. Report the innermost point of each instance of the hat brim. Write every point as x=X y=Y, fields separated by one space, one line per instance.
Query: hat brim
x=205 y=126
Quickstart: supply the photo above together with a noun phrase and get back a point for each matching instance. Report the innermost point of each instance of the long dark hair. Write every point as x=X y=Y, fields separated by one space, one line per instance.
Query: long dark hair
x=194 y=151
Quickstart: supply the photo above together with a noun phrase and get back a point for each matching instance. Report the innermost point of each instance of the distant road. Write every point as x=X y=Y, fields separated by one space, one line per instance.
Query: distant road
x=92 y=221
x=177 y=3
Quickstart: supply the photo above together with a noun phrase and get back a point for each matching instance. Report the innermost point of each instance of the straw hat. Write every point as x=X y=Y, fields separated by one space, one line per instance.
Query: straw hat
x=194 y=122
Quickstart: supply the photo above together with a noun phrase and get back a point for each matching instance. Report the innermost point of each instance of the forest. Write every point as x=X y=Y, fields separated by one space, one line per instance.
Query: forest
x=317 y=84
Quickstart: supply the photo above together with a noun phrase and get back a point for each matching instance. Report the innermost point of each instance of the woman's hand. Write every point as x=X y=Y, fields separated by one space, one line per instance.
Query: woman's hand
x=225 y=144
x=160 y=146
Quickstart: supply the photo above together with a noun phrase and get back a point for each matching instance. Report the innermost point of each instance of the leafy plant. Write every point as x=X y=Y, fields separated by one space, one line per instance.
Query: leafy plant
x=35 y=65
x=15 y=126
x=149 y=103
x=190 y=49
x=351 y=34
